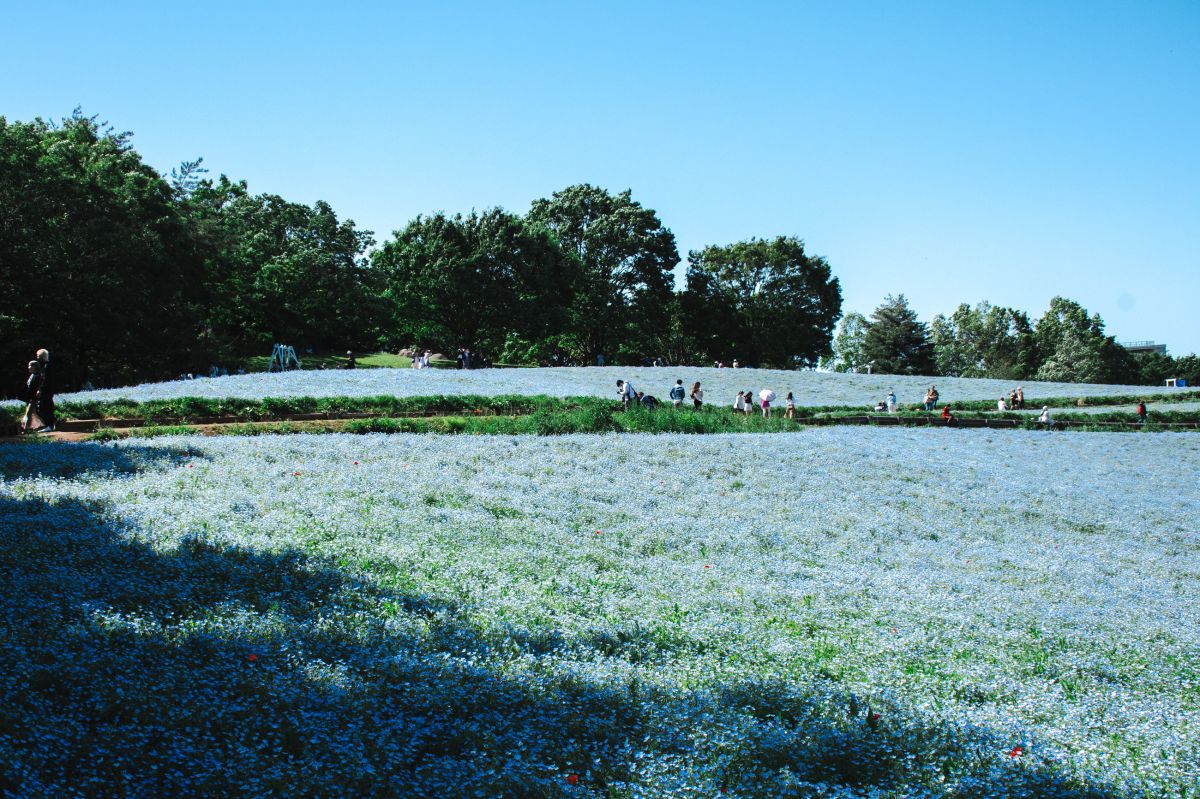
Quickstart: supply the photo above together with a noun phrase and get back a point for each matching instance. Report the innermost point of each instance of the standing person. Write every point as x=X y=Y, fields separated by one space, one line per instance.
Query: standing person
x=766 y=397
x=1141 y=411
x=30 y=421
x=697 y=395
x=350 y=362
x=739 y=404
x=626 y=393
x=735 y=363
x=677 y=393
x=1012 y=400
x=749 y=402
x=790 y=411
x=45 y=394
x=931 y=398
x=1021 y=397
x=891 y=401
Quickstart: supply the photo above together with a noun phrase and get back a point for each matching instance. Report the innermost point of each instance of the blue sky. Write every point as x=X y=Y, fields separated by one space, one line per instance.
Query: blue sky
x=953 y=152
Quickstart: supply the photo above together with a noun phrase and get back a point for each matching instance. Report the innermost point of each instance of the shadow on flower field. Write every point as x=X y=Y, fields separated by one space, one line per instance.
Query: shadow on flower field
x=204 y=671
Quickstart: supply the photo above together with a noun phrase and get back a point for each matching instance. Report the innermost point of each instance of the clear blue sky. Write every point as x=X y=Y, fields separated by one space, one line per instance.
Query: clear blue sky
x=953 y=152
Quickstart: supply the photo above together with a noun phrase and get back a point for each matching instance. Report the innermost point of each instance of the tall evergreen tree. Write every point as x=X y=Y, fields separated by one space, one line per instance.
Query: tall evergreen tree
x=897 y=342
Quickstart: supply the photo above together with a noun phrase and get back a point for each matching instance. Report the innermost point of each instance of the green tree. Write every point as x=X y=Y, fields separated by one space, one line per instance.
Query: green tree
x=280 y=271
x=487 y=281
x=984 y=341
x=623 y=257
x=97 y=264
x=1073 y=348
x=764 y=302
x=896 y=341
x=847 y=344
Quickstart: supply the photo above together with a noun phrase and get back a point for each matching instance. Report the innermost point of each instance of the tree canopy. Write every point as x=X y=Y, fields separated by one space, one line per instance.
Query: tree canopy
x=763 y=302
x=896 y=341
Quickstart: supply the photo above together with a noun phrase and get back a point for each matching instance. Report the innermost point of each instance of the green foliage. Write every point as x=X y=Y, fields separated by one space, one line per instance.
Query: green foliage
x=97 y=264
x=471 y=281
x=896 y=342
x=763 y=302
x=984 y=341
x=279 y=271
x=1072 y=347
x=622 y=258
x=848 y=344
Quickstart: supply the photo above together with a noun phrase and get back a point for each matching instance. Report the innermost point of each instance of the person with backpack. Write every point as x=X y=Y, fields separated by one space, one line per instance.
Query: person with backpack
x=677 y=393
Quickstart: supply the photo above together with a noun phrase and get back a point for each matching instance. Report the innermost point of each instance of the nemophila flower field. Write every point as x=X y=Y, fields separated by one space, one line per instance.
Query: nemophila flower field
x=720 y=385
x=839 y=612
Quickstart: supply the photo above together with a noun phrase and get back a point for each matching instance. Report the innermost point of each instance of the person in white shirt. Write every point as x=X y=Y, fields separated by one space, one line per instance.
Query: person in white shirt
x=1001 y=405
x=1045 y=417
x=739 y=404
x=626 y=393
x=697 y=395
x=891 y=401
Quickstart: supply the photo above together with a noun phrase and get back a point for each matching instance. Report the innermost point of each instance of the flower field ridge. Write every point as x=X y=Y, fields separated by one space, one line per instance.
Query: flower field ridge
x=839 y=612
x=720 y=385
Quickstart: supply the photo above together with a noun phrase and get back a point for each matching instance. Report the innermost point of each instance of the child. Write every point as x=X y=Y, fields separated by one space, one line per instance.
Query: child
x=749 y=408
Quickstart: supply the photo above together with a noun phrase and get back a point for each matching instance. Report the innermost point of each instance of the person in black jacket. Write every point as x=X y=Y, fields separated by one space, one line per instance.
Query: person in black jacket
x=45 y=392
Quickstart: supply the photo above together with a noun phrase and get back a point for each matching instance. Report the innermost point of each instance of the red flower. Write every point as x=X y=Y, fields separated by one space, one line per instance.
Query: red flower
x=356 y=463
x=251 y=657
x=597 y=532
x=707 y=566
x=1017 y=751
x=572 y=779
x=295 y=474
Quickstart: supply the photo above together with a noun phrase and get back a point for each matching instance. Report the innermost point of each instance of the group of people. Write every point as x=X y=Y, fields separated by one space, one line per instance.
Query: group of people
x=745 y=403
x=1014 y=402
x=39 y=394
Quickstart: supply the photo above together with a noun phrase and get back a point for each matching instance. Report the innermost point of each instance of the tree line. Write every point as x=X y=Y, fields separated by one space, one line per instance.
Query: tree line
x=1066 y=344
x=127 y=274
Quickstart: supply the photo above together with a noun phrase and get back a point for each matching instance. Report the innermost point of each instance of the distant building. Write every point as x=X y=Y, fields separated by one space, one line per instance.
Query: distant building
x=1143 y=347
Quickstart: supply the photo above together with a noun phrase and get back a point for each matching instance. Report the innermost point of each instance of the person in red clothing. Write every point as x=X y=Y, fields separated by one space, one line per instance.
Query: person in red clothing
x=947 y=416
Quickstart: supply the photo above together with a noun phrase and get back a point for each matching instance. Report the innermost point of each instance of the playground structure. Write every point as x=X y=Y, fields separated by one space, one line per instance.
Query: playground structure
x=281 y=357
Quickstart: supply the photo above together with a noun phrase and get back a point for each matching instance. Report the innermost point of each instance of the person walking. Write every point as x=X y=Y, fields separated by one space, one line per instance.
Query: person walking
x=1141 y=411
x=45 y=394
x=30 y=421
x=677 y=394
x=697 y=395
